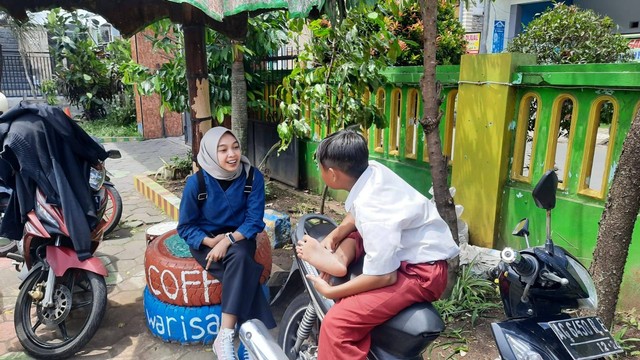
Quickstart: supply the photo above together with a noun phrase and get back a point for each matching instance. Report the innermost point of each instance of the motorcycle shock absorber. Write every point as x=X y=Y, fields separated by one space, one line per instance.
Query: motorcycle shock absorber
x=306 y=324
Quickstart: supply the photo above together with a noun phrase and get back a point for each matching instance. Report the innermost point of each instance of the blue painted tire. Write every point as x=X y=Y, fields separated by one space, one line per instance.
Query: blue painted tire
x=181 y=324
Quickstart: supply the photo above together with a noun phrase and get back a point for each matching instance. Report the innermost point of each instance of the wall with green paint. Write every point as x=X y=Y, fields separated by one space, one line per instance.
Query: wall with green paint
x=576 y=216
x=402 y=80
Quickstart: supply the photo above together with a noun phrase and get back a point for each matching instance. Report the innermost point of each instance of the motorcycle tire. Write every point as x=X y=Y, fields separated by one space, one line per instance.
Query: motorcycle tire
x=290 y=323
x=34 y=337
x=113 y=212
x=7 y=246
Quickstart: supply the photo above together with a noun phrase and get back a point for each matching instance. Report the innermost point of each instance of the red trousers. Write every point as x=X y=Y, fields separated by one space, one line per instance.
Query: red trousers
x=345 y=330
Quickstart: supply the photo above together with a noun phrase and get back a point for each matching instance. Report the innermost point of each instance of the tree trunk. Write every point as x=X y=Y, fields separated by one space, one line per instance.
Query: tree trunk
x=430 y=123
x=616 y=225
x=239 y=116
x=197 y=79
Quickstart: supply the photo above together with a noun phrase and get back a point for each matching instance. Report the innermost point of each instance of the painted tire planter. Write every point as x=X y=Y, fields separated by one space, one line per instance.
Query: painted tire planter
x=174 y=276
x=184 y=324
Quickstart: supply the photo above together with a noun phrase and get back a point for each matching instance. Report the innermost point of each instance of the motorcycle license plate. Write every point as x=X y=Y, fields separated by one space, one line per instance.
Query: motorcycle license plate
x=585 y=338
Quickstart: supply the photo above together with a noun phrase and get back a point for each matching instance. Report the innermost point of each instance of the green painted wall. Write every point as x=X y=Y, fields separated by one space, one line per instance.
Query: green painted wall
x=576 y=216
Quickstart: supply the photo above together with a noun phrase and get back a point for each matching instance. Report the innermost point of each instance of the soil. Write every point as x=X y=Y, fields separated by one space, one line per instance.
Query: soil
x=461 y=339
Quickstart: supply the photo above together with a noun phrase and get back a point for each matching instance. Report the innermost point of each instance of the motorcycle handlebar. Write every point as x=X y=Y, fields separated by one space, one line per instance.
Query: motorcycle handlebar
x=523 y=264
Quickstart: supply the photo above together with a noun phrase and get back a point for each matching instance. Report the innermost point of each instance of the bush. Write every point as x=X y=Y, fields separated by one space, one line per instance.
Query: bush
x=407 y=26
x=570 y=35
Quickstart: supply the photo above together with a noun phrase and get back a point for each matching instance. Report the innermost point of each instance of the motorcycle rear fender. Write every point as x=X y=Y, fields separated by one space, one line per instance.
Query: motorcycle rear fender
x=291 y=287
x=62 y=259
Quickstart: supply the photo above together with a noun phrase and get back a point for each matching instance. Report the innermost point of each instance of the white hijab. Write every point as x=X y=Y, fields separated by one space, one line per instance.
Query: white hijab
x=208 y=155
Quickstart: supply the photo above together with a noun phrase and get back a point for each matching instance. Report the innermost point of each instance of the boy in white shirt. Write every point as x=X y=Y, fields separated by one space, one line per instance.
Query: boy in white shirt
x=404 y=241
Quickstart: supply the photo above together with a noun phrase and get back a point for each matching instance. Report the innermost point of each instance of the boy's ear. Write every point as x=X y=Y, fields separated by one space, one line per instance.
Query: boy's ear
x=333 y=173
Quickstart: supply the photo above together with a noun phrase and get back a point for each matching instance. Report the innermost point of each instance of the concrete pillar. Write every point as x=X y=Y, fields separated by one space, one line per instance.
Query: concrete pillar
x=484 y=130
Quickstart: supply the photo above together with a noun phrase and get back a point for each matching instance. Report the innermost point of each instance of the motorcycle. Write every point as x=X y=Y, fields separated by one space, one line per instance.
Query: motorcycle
x=62 y=300
x=537 y=285
x=406 y=336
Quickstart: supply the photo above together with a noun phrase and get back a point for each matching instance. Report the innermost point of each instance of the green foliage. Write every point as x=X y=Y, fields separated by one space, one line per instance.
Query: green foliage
x=570 y=35
x=471 y=296
x=83 y=73
x=50 y=91
x=183 y=164
x=335 y=71
x=406 y=24
x=106 y=128
x=265 y=35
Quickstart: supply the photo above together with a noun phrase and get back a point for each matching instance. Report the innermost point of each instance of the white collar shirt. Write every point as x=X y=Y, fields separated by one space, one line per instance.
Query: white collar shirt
x=397 y=223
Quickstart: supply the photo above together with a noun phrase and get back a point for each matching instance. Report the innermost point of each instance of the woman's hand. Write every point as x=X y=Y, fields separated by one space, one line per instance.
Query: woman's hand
x=212 y=241
x=218 y=252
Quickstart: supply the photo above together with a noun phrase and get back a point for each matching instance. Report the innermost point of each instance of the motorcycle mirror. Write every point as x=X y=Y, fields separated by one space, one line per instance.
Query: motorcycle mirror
x=114 y=154
x=522 y=228
x=544 y=194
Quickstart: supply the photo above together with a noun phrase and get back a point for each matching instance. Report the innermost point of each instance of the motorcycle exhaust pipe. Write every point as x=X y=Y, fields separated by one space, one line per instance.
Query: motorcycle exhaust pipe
x=259 y=342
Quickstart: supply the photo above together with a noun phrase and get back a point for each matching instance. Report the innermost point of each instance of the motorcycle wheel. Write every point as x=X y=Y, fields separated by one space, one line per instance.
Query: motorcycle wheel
x=289 y=325
x=113 y=211
x=80 y=301
x=7 y=246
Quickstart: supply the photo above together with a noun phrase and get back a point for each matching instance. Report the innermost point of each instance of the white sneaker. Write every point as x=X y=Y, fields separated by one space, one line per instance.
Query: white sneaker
x=223 y=345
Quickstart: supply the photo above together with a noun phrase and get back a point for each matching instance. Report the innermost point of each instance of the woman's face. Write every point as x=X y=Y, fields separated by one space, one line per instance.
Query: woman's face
x=229 y=152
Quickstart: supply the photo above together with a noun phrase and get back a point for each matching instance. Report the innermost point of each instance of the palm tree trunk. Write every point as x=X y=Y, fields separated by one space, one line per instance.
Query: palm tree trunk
x=616 y=225
x=430 y=123
x=239 y=116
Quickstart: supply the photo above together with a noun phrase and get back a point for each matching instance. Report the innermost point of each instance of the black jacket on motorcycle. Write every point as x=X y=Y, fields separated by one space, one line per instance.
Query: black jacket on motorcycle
x=42 y=146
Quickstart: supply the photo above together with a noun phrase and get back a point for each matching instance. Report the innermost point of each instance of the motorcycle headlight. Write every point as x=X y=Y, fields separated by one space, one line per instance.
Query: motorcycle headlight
x=583 y=276
x=96 y=178
x=521 y=349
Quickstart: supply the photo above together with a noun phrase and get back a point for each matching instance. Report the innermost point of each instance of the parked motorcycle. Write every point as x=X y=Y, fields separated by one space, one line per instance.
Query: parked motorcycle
x=57 y=175
x=62 y=300
x=537 y=286
x=406 y=336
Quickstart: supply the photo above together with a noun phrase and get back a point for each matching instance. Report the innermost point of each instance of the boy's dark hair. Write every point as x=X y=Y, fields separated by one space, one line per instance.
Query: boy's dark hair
x=345 y=150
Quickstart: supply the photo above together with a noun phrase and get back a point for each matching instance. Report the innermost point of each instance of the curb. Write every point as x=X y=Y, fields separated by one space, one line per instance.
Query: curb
x=161 y=197
x=112 y=139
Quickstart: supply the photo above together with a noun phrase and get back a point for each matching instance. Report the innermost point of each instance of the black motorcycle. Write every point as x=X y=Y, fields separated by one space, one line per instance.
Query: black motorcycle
x=6 y=245
x=537 y=286
x=406 y=336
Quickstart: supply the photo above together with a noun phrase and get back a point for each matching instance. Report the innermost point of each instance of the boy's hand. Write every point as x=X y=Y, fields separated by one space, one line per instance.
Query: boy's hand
x=330 y=243
x=321 y=285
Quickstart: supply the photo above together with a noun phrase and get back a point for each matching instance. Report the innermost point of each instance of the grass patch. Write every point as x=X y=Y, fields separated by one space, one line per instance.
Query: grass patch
x=106 y=128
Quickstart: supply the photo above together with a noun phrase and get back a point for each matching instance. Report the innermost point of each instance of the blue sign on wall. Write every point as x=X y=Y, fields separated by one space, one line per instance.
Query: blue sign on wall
x=498 y=36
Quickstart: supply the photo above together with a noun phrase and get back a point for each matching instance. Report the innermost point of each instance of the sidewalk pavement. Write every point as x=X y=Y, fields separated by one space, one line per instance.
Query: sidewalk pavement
x=123 y=333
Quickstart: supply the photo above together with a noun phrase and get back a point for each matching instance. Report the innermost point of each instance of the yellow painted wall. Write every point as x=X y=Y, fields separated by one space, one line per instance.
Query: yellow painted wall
x=483 y=133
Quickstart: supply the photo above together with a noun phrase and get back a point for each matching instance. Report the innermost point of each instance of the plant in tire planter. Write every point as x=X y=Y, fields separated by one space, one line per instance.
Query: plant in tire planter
x=174 y=277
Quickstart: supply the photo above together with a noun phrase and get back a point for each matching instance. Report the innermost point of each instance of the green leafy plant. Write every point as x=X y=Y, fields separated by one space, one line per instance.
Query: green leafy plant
x=50 y=91
x=570 y=35
x=82 y=73
x=265 y=35
x=107 y=128
x=334 y=73
x=182 y=164
x=471 y=297
x=406 y=23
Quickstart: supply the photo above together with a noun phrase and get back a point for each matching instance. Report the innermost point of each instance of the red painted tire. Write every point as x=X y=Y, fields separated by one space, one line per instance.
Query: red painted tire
x=180 y=280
